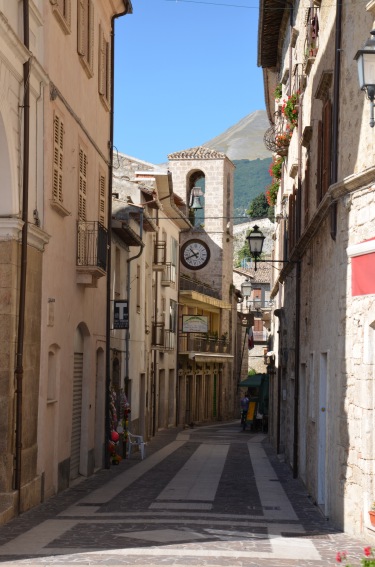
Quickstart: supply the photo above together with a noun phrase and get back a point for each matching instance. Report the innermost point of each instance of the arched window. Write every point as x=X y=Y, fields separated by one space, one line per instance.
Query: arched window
x=196 y=197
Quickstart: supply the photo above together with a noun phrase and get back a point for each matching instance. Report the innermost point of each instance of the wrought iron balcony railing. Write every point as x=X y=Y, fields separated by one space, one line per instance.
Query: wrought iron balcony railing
x=258 y=304
x=200 y=342
x=162 y=338
x=186 y=284
x=169 y=274
x=91 y=245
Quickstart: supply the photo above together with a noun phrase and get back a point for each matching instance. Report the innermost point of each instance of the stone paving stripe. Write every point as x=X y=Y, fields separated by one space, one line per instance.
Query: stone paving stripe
x=165 y=536
x=273 y=498
x=112 y=489
x=199 y=477
x=179 y=506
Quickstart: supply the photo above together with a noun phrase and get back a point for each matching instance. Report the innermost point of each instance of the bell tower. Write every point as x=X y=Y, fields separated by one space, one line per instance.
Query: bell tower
x=207 y=249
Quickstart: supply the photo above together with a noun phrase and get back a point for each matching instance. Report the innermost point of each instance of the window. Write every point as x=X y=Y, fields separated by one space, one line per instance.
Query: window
x=174 y=258
x=102 y=201
x=104 y=69
x=62 y=11
x=58 y=148
x=86 y=35
x=82 y=190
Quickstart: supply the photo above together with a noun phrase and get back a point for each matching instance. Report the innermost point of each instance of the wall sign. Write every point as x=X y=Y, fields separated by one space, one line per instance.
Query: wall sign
x=194 y=324
x=120 y=314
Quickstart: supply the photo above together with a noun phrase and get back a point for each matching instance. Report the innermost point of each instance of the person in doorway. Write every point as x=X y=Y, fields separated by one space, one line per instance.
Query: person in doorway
x=244 y=409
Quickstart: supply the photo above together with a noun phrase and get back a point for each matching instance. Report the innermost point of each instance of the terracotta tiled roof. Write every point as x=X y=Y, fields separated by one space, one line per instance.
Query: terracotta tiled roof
x=262 y=275
x=200 y=152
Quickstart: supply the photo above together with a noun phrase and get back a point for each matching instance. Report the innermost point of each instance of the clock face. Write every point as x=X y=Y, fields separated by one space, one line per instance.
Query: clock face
x=195 y=254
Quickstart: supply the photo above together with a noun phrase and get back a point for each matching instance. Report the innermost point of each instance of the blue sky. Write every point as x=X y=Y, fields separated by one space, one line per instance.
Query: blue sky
x=185 y=71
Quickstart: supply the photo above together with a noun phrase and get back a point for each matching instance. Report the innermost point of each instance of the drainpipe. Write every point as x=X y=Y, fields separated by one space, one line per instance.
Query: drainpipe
x=127 y=337
x=107 y=461
x=335 y=113
x=153 y=386
x=297 y=345
x=22 y=299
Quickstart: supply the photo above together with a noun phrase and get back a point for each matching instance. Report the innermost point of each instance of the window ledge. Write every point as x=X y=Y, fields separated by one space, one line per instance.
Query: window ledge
x=59 y=208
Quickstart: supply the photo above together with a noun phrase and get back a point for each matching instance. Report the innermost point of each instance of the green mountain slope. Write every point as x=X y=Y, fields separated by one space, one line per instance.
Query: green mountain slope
x=251 y=178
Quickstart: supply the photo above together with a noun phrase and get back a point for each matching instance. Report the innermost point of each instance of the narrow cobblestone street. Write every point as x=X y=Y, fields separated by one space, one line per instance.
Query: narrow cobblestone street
x=212 y=496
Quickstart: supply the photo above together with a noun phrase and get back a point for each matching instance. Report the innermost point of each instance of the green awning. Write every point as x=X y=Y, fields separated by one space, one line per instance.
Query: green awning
x=252 y=381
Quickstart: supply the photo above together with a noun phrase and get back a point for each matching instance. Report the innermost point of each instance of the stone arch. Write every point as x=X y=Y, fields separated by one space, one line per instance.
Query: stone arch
x=9 y=202
x=196 y=178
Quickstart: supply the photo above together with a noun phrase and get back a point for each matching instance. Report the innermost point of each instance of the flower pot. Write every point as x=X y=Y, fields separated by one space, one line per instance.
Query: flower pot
x=372 y=517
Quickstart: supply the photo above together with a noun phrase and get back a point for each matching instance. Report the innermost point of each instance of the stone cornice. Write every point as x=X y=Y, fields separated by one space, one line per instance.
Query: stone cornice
x=344 y=187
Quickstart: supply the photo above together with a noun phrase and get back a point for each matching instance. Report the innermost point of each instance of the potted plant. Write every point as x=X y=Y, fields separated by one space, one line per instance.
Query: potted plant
x=290 y=109
x=278 y=92
x=271 y=193
x=276 y=166
x=224 y=341
x=367 y=561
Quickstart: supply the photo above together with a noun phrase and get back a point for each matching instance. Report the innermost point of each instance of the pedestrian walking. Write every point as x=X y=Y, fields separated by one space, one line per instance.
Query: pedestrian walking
x=244 y=409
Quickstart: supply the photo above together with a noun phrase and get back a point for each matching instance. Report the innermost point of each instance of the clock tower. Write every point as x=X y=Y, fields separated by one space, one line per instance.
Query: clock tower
x=206 y=251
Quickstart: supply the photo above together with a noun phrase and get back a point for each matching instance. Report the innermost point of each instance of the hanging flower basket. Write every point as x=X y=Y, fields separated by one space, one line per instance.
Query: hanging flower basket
x=282 y=143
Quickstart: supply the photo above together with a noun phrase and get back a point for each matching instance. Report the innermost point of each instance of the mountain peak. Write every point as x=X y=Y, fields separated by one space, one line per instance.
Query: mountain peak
x=244 y=140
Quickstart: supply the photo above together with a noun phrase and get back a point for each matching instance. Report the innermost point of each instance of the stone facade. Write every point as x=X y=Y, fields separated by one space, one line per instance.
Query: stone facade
x=208 y=382
x=323 y=326
x=54 y=163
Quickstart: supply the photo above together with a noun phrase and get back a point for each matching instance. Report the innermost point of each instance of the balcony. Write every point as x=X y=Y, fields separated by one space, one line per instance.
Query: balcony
x=162 y=339
x=91 y=252
x=187 y=284
x=255 y=305
x=168 y=275
x=160 y=255
x=201 y=342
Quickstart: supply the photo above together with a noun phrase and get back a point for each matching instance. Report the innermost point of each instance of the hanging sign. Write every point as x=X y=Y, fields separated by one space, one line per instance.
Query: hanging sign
x=121 y=314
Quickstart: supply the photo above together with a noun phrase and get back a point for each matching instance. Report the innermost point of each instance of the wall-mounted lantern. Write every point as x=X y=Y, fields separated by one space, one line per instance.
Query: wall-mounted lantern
x=365 y=58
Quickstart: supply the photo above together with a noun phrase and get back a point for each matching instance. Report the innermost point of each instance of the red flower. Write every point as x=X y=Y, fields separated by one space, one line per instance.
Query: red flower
x=340 y=555
x=367 y=551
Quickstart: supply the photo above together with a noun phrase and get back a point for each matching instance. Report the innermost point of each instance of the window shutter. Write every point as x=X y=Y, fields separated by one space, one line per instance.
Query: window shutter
x=327 y=135
x=307 y=193
x=82 y=28
x=82 y=185
x=102 y=62
x=58 y=146
x=102 y=199
x=108 y=72
x=319 y=164
x=91 y=36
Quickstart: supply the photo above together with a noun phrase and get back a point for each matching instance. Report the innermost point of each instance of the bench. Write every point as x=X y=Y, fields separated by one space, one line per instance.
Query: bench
x=136 y=441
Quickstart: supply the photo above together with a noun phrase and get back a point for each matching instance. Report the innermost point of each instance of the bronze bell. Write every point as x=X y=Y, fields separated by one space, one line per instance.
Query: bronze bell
x=196 y=204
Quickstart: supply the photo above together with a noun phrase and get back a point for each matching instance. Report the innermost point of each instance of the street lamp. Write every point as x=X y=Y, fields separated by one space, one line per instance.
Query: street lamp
x=246 y=288
x=255 y=241
x=365 y=58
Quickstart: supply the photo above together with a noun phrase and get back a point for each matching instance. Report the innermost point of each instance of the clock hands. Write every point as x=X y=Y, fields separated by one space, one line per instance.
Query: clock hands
x=191 y=255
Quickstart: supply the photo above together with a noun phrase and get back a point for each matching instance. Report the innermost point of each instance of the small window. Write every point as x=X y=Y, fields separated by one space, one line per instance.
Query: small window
x=62 y=11
x=58 y=150
x=104 y=69
x=82 y=189
x=102 y=200
x=86 y=35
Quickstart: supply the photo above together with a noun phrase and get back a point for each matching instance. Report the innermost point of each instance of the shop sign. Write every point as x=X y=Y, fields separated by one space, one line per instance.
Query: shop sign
x=121 y=314
x=194 y=324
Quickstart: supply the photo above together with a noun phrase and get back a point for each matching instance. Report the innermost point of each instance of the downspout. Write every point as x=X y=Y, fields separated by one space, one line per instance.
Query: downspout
x=335 y=113
x=155 y=351
x=298 y=301
x=107 y=461
x=127 y=337
x=23 y=271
